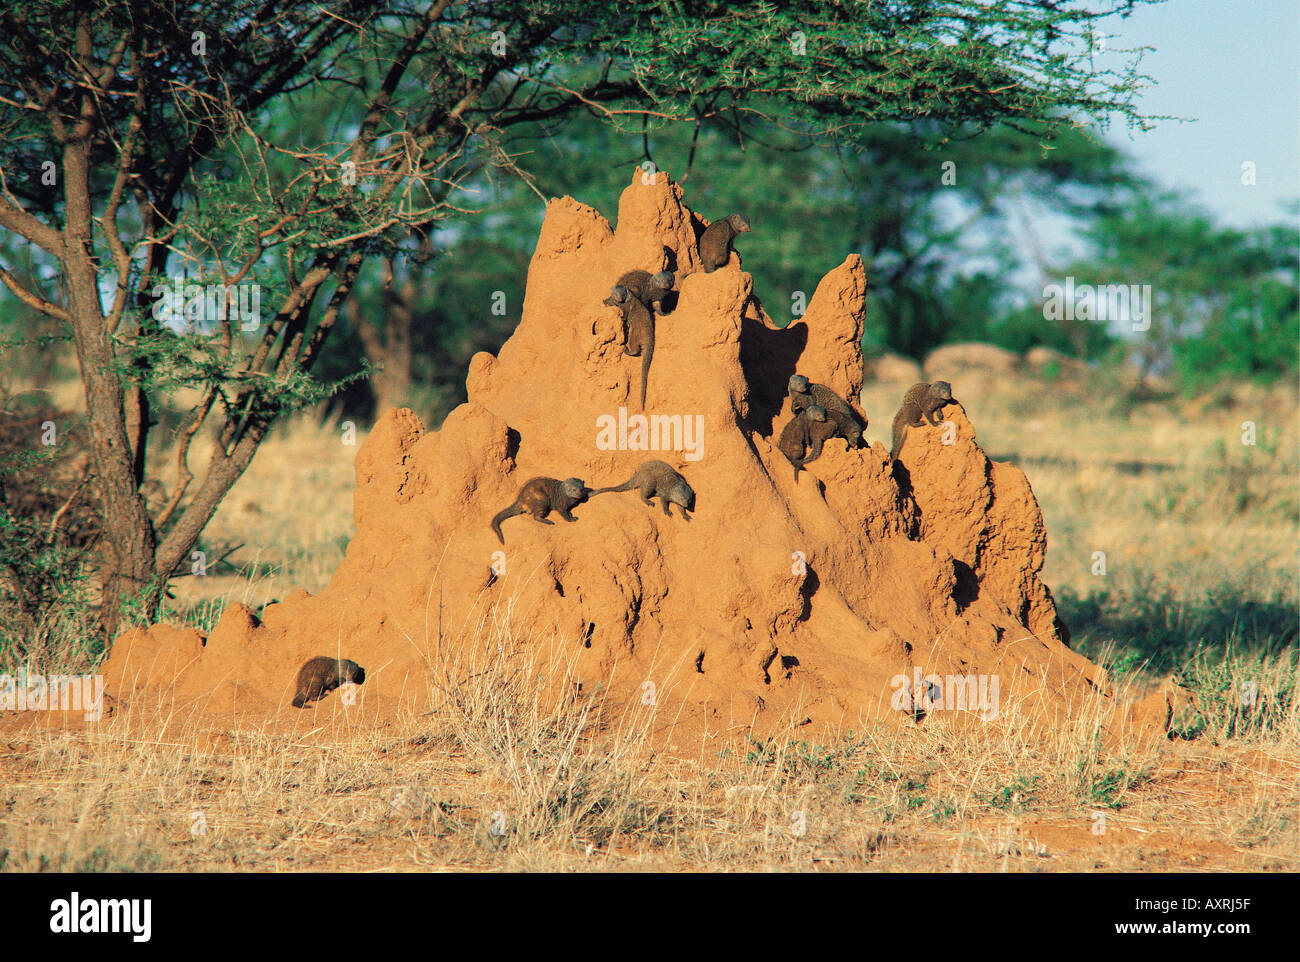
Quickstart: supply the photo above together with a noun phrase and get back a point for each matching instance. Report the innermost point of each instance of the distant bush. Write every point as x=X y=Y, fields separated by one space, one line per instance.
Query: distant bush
x=49 y=533
x=1225 y=302
x=1244 y=696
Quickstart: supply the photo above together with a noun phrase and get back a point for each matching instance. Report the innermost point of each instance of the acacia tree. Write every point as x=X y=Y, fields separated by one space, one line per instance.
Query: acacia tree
x=1225 y=301
x=139 y=139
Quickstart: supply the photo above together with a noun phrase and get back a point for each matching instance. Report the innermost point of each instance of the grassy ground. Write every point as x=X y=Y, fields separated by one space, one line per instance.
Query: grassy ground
x=507 y=778
x=1200 y=540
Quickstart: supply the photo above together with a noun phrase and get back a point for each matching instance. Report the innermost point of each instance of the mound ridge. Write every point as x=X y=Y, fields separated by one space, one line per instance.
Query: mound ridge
x=811 y=596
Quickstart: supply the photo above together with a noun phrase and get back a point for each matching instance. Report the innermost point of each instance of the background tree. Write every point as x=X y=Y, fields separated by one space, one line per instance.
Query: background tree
x=1226 y=301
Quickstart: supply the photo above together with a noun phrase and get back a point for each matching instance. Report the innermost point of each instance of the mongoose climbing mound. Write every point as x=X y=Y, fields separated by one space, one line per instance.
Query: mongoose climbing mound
x=805 y=434
x=861 y=576
x=804 y=394
x=650 y=289
x=321 y=675
x=655 y=479
x=539 y=497
x=921 y=405
x=639 y=323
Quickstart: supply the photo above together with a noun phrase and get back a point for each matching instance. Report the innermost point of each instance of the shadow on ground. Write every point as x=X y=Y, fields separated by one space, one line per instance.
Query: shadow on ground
x=1164 y=631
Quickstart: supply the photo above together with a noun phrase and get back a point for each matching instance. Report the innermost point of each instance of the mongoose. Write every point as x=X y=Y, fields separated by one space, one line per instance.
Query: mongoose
x=804 y=394
x=640 y=330
x=649 y=289
x=805 y=434
x=715 y=242
x=657 y=479
x=321 y=675
x=540 y=496
x=921 y=403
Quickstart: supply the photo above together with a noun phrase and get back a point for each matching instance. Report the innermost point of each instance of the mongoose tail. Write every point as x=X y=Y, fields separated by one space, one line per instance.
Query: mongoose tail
x=509 y=512
x=647 y=352
x=898 y=443
x=625 y=486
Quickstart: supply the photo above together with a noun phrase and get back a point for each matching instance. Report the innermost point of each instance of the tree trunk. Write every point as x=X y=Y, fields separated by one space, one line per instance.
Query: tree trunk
x=389 y=343
x=128 y=528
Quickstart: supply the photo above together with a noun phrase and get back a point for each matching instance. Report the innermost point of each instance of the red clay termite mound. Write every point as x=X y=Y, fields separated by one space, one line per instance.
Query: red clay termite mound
x=818 y=596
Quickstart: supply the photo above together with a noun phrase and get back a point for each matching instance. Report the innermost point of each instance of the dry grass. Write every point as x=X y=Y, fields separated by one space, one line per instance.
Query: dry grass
x=512 y=771
x=515 y=772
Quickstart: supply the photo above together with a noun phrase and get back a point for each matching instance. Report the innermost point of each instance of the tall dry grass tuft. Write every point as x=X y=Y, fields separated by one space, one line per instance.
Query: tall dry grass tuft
x=1246 y=697
x=572 y=766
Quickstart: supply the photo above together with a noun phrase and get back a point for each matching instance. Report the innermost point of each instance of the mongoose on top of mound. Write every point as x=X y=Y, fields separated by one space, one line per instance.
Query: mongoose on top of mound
x=920 y=404
x=649 y=289
x=804 y=394
x=715 y=242
x=321 y=675
x=805 y=435
x=540 y=496
x=657 y=479
x=640 y=330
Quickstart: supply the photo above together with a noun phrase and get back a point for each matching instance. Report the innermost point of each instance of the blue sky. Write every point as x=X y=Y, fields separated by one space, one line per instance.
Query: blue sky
x=1234 y=66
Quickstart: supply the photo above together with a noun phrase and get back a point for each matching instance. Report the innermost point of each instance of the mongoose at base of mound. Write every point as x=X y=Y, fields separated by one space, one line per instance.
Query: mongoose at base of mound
x=657 y=479
x=321 y=675
x=715 y=242
x=804 y=394
x=920 y=403
x=805 y=434
x=640 y=324
x=649 y=289
x=539 y=497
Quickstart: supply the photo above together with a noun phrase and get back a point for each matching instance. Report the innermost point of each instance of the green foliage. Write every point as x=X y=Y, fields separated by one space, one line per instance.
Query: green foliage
x=1017 y=796
x=1226 y=301
x=841 y=65
x=165 y=361
x=40 y=584
x=1244 y=695
x=942 y=810
x=267 y=191
x=804 y=763
x=881 y=196
x=1109 y=785
x=1160 y=631
x=45 y=557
